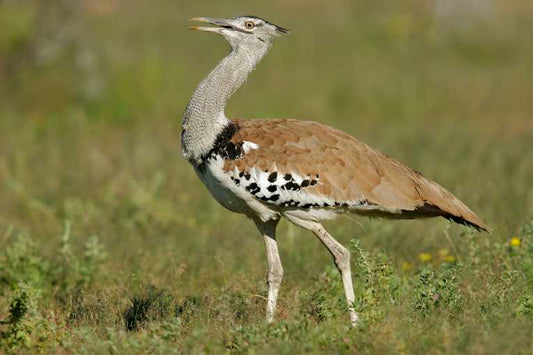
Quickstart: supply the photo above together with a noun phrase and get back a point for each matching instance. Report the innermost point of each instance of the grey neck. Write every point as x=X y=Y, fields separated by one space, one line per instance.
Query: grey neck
x=204 y=117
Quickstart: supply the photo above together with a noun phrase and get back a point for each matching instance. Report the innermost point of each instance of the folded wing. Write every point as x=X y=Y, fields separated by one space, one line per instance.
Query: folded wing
x=320 y=163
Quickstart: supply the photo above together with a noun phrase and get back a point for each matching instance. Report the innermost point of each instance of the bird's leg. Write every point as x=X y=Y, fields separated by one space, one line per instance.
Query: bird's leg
x=341 y=256
x=275 y=270
x=275 y=274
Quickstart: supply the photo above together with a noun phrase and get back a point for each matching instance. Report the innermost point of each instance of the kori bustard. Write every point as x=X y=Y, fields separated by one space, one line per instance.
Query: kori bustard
x=304 y=171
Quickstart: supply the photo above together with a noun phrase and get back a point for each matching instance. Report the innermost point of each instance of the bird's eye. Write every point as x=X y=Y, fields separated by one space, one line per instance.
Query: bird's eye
x=249 y=25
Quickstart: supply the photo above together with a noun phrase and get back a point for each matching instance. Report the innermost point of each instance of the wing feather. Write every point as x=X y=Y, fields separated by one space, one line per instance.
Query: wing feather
x=346 y=170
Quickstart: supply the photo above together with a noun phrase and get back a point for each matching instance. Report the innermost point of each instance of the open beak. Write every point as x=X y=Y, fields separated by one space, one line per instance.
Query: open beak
x=219 y=22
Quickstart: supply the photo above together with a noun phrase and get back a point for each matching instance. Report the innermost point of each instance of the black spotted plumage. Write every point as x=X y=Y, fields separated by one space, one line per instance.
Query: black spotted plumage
x=272 y=177
x=274 y=187
x=292 y=186
x=253 y=188
x=274 y=197
x=223 y=146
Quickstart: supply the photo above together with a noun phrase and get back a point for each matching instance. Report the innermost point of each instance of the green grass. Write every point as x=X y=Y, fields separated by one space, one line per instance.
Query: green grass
x=109 y=242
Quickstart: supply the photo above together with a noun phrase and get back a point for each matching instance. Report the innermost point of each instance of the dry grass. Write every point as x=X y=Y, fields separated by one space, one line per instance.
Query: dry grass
x=90 y=110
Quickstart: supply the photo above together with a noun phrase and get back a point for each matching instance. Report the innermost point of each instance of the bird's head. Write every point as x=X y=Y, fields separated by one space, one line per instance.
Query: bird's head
x=247 y=32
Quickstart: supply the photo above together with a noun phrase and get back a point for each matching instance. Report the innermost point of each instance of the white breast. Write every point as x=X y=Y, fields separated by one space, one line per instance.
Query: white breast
x=230 y=195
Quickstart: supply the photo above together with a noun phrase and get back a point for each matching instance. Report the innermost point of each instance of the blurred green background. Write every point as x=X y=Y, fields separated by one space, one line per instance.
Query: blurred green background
x=92 y=93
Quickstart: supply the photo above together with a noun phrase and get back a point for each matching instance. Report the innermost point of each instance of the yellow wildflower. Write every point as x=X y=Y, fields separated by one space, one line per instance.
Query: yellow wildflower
x=515 y=241
x=425 y=257
x=406 y=266
x=449 y=259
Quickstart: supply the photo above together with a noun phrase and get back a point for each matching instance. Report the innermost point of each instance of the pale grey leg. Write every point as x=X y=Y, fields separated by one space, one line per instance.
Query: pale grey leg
x=275 y=270
x=341 y=256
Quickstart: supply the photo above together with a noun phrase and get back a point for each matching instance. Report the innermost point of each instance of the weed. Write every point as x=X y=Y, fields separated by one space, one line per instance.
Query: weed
x=437 y=289
x=326 y=299
x=525 y=306
x=21 y=264
x=23 y=318
x=152 y=304
x=378 y=288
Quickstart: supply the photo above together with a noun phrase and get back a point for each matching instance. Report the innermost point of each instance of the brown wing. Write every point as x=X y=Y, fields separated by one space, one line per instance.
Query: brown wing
x=347 y=170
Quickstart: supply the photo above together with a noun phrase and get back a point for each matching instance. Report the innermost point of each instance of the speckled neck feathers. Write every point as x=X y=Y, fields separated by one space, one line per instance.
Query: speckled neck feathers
x=204 y=117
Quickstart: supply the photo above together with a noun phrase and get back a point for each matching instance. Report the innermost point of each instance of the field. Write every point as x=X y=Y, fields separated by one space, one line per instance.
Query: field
x=109 y=243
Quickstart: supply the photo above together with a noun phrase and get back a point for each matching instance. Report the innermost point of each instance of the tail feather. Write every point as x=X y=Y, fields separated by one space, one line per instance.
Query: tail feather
x=460 y=220
x=463 y=216
x=439 y=202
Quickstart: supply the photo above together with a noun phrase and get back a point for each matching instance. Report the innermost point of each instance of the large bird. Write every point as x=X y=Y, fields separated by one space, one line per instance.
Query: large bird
x=302 y=170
